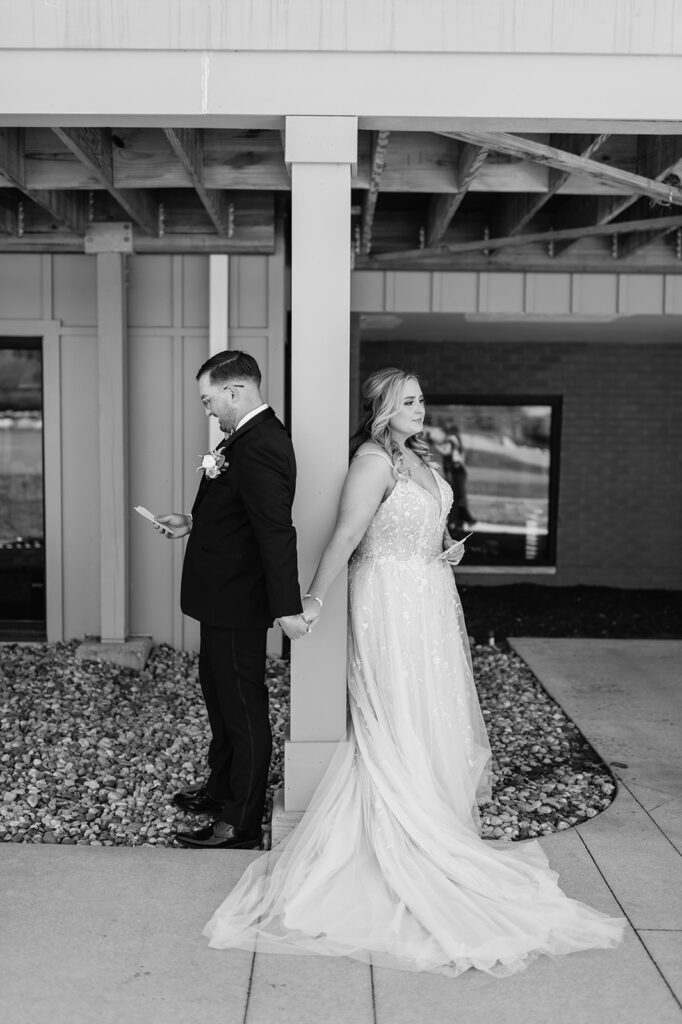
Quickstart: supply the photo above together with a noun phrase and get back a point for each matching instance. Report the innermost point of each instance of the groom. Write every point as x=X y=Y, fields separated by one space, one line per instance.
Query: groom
x=239 y=573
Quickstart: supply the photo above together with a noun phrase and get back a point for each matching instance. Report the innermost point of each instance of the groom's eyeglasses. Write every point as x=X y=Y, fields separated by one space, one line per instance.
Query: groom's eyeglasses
x=206 y=401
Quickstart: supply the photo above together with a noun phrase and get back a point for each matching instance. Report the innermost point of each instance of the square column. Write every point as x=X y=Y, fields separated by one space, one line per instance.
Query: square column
x=112 y=342
x=218 y=323
x=113 y=408
x=321 y=152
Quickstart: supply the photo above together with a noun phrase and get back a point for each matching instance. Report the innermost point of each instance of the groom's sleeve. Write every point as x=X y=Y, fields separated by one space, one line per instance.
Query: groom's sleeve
x=263 y=479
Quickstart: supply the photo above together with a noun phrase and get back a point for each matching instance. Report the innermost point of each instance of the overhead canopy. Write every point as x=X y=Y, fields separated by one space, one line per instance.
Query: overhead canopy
x=463 y=198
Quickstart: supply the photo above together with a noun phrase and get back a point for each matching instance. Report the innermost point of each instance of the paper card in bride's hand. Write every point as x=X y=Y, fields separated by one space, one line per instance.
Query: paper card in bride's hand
x=455 y=546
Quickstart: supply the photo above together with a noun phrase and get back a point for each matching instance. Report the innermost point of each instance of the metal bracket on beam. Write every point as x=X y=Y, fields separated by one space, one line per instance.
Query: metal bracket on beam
x=114 y=236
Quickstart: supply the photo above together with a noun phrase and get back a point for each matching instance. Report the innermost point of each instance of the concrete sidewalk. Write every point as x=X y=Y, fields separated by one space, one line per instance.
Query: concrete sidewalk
x=106 y=935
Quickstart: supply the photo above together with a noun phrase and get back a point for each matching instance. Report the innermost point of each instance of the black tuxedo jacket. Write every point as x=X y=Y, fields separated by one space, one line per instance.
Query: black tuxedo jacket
x=240 y=568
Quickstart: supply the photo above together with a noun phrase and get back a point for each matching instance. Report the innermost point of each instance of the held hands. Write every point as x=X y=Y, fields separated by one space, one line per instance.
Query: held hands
x=296 y=626
x=179 y=524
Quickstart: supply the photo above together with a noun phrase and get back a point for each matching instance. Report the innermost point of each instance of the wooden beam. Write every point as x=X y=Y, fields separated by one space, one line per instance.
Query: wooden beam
x=418 y=162
x=515 y=146
x=442 y=208
x=580 y=263
x=632 y=244
x=377 y=161
x=93 y=148
x=518 y=210
x=657 y=157
x=254 y=231
x=188 y=146
x=541 y=237
x=655 y=259
x=629 y=245
x=63 y=207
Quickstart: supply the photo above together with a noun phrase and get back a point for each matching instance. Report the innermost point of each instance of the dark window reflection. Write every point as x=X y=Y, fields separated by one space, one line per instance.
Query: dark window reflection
x=22 y=532
x=501 y=462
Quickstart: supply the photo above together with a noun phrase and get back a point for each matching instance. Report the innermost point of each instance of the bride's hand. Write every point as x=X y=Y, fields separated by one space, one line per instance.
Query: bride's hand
x=311 y=611
x=454 y=555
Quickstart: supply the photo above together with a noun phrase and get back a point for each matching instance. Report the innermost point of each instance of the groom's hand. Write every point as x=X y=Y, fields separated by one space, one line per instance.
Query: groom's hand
x=180 y=525
x=295 y=626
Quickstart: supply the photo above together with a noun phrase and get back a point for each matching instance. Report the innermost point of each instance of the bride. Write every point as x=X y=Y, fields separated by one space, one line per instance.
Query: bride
x=387 y=864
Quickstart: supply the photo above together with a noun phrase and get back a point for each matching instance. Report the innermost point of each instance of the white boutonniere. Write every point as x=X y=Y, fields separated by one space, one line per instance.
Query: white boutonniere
x=213 y=464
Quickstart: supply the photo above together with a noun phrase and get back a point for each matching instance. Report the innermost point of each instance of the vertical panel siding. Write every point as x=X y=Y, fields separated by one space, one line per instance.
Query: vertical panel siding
x=150 y=461
x=367 y=291
x=249 y=291
x=640 y=294
x=455 y=293
x=195 y=291
x=673 y=294
x=408 y=292
x=150 y=291
x=20 y=286
x=595 y=294
x=80 y=485
x=193 y=443
x=501 y=293
x=548 y=293
x=515 y=292
x=168 y=430
x=74 y=282
x=258 y=316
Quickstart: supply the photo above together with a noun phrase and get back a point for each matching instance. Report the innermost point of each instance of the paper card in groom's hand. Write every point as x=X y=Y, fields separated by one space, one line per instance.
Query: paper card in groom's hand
x=152 y=519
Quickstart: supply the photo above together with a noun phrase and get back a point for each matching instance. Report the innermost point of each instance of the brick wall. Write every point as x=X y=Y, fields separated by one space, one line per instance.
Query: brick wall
x=620 y=486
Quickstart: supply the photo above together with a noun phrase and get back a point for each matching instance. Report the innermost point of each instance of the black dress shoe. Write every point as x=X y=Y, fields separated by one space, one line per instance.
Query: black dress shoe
x=197 y=802
x=220 y=836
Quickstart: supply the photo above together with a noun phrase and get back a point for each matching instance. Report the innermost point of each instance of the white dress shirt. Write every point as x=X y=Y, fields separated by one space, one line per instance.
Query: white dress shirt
x=250 y=415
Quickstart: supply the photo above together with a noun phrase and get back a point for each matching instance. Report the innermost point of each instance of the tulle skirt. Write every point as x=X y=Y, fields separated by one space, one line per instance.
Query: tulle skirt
x=387 y=865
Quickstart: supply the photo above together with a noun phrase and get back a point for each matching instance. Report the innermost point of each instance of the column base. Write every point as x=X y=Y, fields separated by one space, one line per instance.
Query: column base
x=132 y=653
x=304 y=765
x=283 y=822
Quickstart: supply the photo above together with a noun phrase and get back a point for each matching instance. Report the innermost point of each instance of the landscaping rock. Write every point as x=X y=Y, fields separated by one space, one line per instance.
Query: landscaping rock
x=93 y=752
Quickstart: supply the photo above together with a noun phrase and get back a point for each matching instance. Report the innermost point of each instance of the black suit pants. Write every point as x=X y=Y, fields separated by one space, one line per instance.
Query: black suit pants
x=232 y=677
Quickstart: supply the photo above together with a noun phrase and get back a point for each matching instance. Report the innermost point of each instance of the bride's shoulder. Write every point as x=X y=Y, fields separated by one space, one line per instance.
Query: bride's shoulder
x=372 y=449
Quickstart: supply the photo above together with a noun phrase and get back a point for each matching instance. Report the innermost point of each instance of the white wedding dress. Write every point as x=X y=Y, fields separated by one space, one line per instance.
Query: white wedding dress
x=387 y=864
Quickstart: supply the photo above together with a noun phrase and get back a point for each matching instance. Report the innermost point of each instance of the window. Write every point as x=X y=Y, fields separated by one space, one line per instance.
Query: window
x=500 y=456
x=22 y=550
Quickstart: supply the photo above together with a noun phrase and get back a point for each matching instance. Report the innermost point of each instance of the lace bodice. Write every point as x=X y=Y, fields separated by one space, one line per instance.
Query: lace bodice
x=408 y=525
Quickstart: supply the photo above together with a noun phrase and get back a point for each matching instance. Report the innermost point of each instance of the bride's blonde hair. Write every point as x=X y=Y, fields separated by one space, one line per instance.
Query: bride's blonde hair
x=382 y=392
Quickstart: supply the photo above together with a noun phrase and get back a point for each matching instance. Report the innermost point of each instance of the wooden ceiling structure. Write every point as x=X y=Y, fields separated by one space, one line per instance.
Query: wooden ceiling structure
x=439 y=200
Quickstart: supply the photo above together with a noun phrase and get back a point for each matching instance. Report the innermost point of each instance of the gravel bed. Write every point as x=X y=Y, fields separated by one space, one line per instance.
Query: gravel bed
x=92 y=754
x=532 y=609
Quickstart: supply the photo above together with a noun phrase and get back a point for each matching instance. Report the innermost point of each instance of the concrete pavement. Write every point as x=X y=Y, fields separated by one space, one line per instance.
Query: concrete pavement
x=104 y=935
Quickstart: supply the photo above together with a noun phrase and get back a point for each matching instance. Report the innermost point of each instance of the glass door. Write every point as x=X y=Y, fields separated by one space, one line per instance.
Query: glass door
x=22 y=533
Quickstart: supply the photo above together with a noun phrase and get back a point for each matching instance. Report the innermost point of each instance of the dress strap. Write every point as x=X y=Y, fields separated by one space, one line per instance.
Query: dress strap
x=380 y=455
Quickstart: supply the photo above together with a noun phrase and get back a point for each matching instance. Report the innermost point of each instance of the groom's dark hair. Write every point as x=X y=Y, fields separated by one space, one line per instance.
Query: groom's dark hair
x=230 y=365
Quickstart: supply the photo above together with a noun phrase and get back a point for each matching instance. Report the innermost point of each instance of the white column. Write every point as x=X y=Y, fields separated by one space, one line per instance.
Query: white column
x=321 y=152
x=218 y=322
x=114 y=510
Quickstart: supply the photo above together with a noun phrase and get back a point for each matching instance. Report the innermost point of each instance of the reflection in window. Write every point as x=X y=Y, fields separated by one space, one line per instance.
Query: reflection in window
x=22 y=563
x=501 y=459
